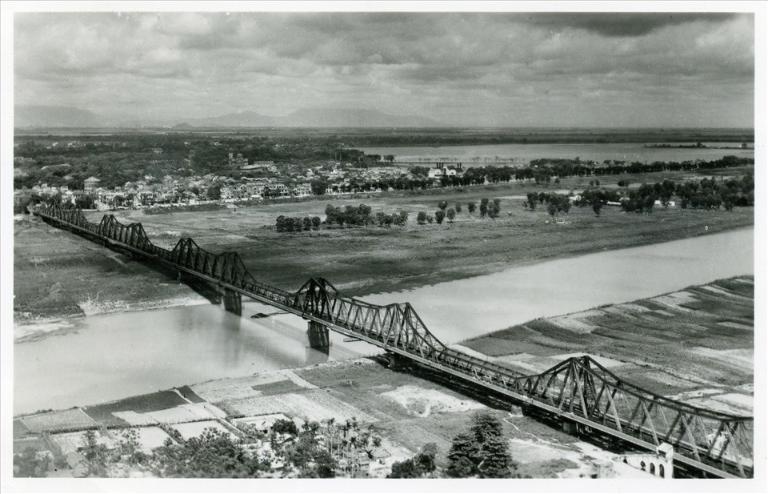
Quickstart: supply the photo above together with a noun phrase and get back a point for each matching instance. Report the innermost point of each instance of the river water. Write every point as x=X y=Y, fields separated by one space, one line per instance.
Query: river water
x=106 y=357
x=523 y=153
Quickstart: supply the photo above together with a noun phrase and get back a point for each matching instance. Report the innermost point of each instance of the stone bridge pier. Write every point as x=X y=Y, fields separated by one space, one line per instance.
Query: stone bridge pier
x=318 y=336
x=233 y=301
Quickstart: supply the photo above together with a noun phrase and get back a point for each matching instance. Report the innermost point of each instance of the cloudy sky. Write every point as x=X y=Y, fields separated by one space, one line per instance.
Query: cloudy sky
x=461 y=69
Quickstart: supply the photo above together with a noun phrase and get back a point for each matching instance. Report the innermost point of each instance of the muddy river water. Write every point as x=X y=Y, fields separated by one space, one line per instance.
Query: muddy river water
x=104 y=357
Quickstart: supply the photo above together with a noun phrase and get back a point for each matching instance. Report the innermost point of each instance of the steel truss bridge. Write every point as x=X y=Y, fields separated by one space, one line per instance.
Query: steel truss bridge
x=576 y=392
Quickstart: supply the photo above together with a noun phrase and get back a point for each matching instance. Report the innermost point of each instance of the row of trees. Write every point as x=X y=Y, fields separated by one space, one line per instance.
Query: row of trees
x=710 y=194
x=297 y=224
x=361 y=216
x=544 y=171
x=489 y=208
x=707 y=193
x=556 y=203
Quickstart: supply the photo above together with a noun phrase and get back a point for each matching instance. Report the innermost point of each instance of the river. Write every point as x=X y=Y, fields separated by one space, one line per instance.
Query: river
x=105 y=357
x=523 y=153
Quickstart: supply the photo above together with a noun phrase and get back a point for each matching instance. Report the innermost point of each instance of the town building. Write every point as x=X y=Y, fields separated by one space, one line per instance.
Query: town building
x=90 y=184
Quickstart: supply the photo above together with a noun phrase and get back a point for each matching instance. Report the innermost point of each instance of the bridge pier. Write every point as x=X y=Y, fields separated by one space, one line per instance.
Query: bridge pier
x=397 y=362
x=233 y=302
x=318 y=336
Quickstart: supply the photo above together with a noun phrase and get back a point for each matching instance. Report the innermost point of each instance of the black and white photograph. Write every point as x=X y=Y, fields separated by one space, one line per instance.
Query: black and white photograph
x=322 y=246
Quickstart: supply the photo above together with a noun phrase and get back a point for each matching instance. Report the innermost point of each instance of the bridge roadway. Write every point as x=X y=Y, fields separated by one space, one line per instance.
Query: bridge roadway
x=579 y=393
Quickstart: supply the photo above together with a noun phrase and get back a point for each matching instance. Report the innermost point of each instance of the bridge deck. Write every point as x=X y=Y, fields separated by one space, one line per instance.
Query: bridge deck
x=578 y=389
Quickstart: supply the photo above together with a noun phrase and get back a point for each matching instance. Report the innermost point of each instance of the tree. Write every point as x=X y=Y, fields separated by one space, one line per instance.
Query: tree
x=30 y=464
x=442 y=205
x=597 y=205
x=425 y=460
x=488 y=432
x=405 y=469
x=213 y=454
x=552 y=209
x=439 y=215
x=316 y=222
x=214 y=192
x=130 y=447
x=486 y=426
x=318 y=186
x=285 y=426
x=418 y=466
x=403 y=217
x=532 y=199
x=421 y=218
x=307 y=222
x=430 y=219
x=463 y=456
x=458 y=207
x=494 y=208
x=325 y=465
x=95 y=455
x=462 y=467
x=496 y=462
x=451 y=214
x=471 y=207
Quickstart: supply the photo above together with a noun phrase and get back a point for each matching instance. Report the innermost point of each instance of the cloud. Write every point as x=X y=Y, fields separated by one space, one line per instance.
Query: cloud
x=467 y=67
x=623 y=24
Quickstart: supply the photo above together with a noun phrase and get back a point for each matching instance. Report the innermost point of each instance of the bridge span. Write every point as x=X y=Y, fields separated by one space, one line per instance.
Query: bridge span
x=578 y=393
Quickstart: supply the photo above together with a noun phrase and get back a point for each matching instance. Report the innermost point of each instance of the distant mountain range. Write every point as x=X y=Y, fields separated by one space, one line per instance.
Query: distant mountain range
x=62 y=116
x=316 y=117
x=55 y=116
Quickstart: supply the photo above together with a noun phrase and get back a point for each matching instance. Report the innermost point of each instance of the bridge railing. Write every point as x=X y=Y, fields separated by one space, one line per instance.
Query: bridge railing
x=578 y=386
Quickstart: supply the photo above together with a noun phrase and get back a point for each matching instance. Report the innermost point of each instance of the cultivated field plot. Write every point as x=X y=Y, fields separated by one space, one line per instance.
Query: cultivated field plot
x=183 y=413
x=69 y=442
x=73 y=418
x=406 y=411
x=316 y=405
x=189 y=430
x=275 y=382
x=109 y=413
x=700 y=337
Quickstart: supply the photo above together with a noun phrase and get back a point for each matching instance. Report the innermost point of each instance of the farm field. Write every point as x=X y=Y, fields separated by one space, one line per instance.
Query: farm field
x=405 y=410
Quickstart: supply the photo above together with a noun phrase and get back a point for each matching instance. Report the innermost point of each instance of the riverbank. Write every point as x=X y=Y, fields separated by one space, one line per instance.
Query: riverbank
x=405 y=411
x=695 y=344
x=58 y=274
x=369 y=260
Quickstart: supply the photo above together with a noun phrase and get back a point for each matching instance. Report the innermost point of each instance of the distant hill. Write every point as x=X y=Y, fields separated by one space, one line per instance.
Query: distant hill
x=316 y=117
x=54 y=116
x=239 y=119
x=339 y=117
x=28 y=116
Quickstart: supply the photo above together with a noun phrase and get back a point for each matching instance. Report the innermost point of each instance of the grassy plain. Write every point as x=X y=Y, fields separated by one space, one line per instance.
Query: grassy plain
x=370 y=260
x=59 y=274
